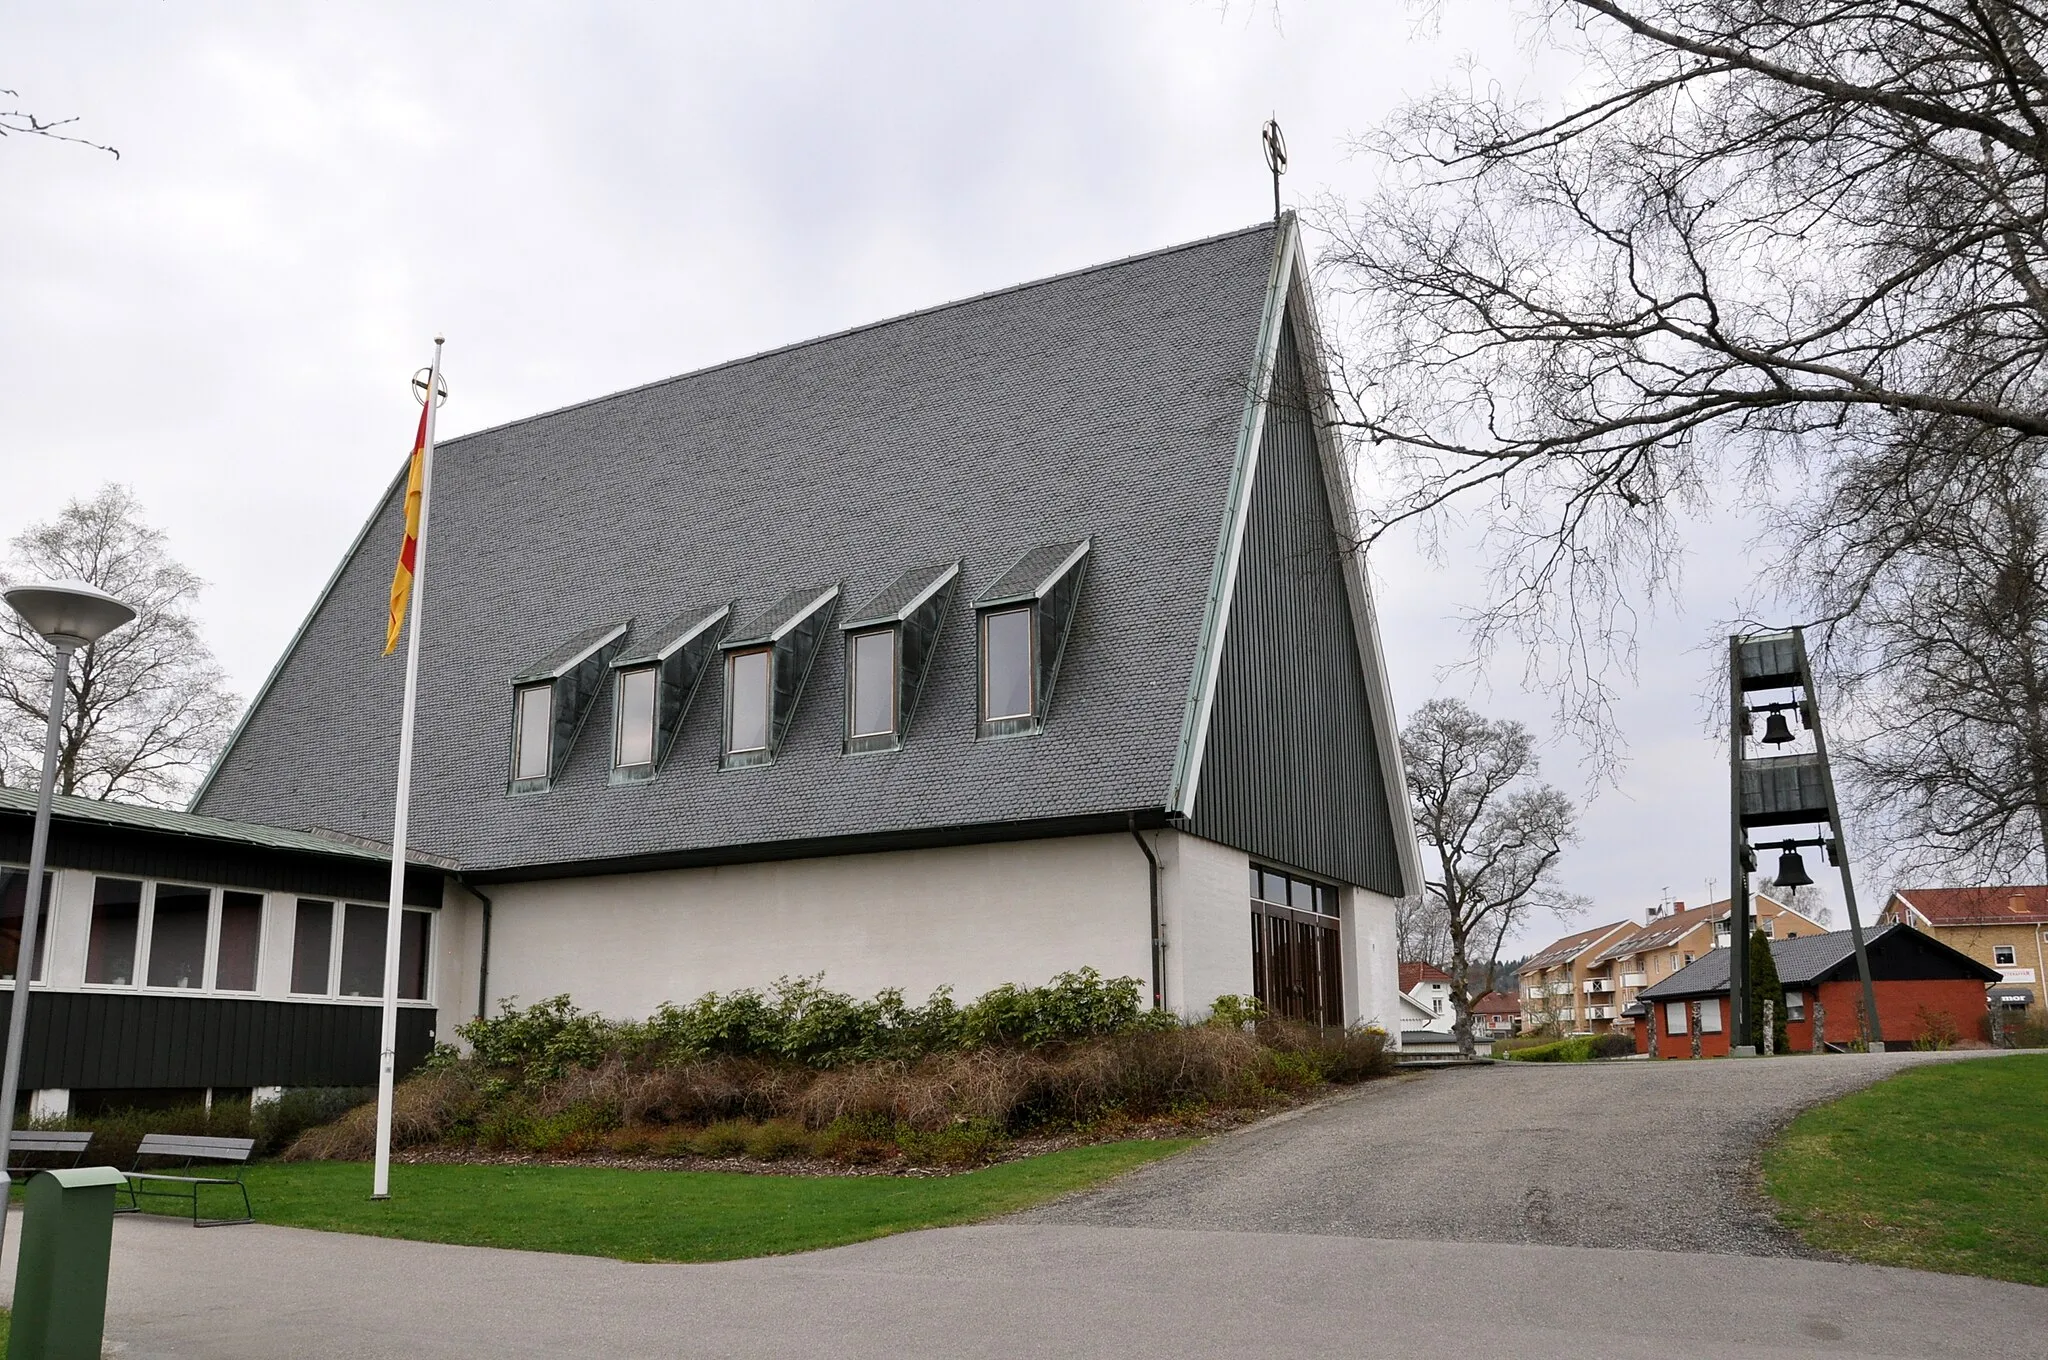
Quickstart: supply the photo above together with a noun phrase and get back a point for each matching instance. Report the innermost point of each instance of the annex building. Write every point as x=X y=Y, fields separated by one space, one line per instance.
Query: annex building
x=1009 y=637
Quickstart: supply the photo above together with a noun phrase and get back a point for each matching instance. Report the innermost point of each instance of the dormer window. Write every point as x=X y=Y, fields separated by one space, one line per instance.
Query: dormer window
x=766 y=665
x=1006 y=664
x=551 y=700
x=1023 y=621
x=889 y=646
x=748 y=700
x=633 y=743
x=652 y=688
x=533 y=716
x=872 y=684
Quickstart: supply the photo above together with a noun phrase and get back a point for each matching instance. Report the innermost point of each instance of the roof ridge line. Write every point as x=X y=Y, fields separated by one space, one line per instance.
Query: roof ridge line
x=911 y=315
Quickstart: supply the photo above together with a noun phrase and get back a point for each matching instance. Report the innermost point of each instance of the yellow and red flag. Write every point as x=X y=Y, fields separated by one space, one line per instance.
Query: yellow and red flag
x=408 y=552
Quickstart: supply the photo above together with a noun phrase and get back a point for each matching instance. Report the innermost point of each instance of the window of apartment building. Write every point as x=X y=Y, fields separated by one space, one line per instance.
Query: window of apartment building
x=1674 y=1017
x=180 y=936
x=533 y=727
x=338 y=950
x=1436 y=1004
x=2004 y=955
x=1688 y=960
x=1006 y=664
x=13 y=904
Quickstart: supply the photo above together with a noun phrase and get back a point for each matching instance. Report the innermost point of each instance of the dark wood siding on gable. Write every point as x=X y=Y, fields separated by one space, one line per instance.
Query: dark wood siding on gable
x=1291 y=772
x=126 y=1041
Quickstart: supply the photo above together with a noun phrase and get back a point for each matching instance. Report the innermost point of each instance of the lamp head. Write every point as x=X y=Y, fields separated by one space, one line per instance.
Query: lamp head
x=69 y=613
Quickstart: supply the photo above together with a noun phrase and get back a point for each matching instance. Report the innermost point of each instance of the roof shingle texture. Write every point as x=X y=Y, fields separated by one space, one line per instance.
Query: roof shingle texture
x=2023 y=905
x=1101 y=404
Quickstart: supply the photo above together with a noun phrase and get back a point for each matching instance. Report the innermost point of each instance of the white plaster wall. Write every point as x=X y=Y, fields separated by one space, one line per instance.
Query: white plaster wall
x=1372 y=972
x=458 y=944
x=972 y=917
x=1205 y=901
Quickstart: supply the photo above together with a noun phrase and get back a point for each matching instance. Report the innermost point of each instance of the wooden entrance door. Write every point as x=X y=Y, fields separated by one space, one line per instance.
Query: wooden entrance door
x=1297 y=964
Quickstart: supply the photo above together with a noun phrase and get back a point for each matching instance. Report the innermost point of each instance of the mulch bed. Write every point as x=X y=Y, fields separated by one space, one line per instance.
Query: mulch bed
x=1193 y=1126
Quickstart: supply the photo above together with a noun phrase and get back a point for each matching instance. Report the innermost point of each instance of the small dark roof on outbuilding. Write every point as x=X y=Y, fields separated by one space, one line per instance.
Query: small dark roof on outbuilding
x=1813 y=959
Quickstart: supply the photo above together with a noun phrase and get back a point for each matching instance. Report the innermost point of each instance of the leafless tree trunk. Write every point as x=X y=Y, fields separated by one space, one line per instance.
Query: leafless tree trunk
x=1496 y=835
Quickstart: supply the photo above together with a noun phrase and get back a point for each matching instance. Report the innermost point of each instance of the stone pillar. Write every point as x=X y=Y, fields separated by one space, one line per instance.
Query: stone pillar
x=1820 y=1025
x=1695 y=1029
x=1651 y=1021
x=1770 y=1030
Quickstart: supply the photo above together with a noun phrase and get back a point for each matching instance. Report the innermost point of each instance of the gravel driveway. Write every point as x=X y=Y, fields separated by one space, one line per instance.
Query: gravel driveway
x=1635 y=1155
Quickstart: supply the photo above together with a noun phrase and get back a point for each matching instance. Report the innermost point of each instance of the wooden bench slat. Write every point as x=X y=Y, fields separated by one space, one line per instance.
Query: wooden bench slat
x=48 y=1140
x=179 y=1145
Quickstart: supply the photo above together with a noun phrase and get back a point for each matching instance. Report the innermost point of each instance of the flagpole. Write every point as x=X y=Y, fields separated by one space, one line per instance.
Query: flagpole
x=387 y=1049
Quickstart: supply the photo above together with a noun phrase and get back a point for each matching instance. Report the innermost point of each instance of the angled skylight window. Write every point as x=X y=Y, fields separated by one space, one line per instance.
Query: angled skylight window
x=766 y=664
x=889 y=646
x=1021 y=624
x=550 y=700
x=654 y=683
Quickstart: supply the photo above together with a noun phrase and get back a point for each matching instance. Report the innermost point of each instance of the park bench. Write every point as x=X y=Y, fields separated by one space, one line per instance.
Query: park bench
x=51 y=1143
x=188 y=1150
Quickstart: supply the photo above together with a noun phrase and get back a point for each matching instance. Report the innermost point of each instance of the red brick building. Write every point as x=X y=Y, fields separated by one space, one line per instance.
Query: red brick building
x=1922 y=986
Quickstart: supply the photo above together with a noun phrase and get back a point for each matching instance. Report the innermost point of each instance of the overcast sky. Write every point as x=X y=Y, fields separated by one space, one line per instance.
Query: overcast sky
x=593 y=196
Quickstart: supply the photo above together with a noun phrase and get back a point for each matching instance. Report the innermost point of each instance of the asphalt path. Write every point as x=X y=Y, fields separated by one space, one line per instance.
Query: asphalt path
x=1633 y=1155
x=1348 y=1229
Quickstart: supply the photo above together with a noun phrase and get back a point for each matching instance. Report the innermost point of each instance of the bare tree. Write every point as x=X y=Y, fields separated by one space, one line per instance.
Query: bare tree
x=1757 y=238
x=1931 y=572
x=1420 y=935
x=1495 y=832
x=1804 y=898
x=147 y=705
x=16 y=121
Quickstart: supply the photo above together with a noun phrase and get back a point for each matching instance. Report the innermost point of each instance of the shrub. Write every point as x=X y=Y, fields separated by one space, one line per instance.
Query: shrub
x=116 y=1133
x=728 y=1138
x=1235 y=1012
x=1938 y=1032
x=778 y=1139
x=1578 y=1048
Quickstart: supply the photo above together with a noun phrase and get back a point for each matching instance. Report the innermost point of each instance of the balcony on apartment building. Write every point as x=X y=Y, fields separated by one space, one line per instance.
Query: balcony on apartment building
x=1599 y=986
x=1634 y=979
x=1599 y=1012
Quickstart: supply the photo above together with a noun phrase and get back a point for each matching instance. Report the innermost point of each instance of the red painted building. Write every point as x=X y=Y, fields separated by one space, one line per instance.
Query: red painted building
x=1923 y=987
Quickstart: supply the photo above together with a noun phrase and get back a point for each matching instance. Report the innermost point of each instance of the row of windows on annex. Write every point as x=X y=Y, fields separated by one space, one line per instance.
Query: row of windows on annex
x=188 y=937
x=1021 y=624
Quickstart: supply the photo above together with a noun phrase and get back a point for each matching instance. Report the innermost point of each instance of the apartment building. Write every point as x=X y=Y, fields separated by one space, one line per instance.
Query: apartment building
x=2003 y=927
x=1555 y=977
x=1601 y=986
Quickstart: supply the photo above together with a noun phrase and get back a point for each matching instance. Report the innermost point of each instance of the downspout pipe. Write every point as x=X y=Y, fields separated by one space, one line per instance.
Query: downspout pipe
x=483 y=961
x=1158 y=934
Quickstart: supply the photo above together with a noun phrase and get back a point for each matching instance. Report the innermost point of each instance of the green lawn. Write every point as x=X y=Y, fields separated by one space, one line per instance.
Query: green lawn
x=667 y=1215
x=1939 y=1168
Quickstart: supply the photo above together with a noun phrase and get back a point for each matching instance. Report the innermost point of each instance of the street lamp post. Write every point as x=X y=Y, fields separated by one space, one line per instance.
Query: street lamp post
x=69 y=615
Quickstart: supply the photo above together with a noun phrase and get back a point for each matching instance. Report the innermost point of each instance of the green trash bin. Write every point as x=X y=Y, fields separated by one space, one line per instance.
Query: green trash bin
x=60 y=1282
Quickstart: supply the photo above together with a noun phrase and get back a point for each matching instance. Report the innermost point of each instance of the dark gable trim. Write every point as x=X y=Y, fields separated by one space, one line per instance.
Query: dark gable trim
x=196 y=859
x=988 y=833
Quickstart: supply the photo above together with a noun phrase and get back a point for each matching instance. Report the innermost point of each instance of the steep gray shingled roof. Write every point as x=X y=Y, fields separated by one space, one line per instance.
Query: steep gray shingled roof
x=1103 y=404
